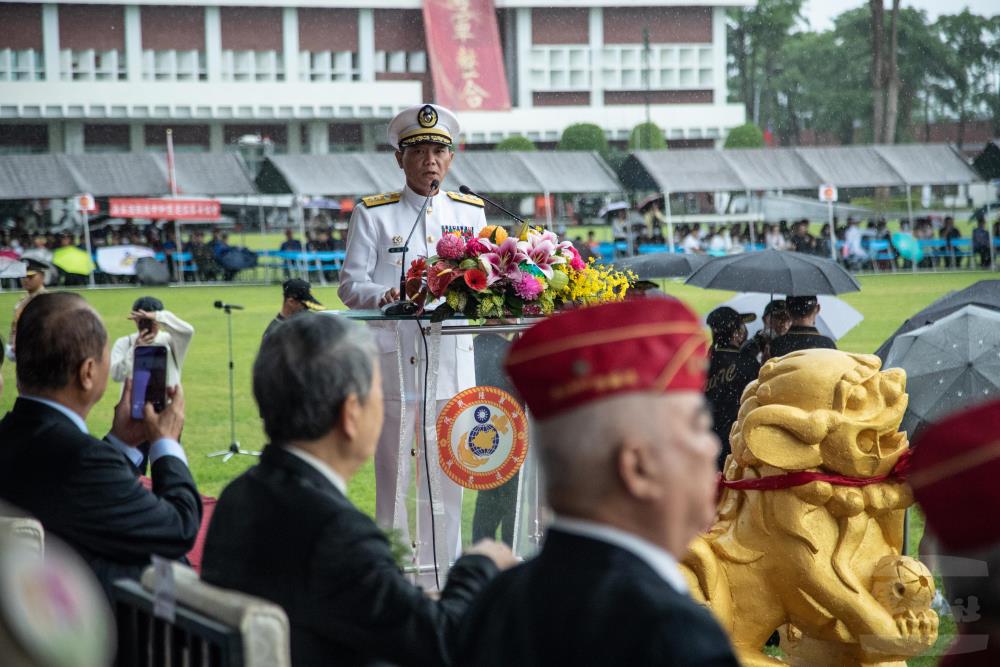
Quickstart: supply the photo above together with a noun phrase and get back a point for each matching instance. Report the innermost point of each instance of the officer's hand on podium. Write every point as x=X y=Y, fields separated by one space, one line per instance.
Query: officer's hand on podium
x=391 y=296
x=498 y=552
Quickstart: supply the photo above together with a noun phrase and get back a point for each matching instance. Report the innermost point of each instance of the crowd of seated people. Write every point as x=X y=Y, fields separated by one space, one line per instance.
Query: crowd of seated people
x=860 y=244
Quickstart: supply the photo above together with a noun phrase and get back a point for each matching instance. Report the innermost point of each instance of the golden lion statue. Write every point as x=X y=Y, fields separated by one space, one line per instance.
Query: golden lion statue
x=810 y=521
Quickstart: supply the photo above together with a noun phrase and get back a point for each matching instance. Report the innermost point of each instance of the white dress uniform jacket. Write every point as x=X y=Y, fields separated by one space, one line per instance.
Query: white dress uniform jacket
x=382 y=222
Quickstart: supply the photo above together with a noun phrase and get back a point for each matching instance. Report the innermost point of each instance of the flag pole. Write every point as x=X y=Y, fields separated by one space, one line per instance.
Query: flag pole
x=172 y=184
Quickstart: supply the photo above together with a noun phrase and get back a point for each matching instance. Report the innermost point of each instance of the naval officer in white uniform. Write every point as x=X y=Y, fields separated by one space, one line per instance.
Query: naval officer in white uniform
x=424 y=136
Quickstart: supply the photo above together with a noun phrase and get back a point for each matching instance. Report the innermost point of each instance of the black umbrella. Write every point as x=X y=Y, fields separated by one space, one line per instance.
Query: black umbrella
x=151 y=272
x=985 y=293
x=662 y=265
x=775 y=272
x=950 y=365
x=236 y=259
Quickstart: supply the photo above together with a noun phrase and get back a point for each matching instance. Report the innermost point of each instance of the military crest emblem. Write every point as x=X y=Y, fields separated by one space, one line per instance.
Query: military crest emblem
x=427 y=116
x=482 y=438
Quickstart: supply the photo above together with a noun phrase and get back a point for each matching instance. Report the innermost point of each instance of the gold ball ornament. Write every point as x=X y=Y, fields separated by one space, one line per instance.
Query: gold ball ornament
x=902 y=584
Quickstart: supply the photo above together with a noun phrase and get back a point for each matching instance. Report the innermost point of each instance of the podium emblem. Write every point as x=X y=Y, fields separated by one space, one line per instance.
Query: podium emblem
x=482 y=438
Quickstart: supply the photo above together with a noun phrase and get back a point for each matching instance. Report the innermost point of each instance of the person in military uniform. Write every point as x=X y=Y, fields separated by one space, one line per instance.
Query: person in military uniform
x=803 y=334
x=33 y=283
x=730 y=370
x=297 y=297
x=424 y=139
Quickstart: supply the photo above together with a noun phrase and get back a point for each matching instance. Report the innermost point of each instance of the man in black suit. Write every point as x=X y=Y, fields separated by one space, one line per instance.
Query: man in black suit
x=628 y=458
x=803 y=334
x=82 y=489
x=285 y=530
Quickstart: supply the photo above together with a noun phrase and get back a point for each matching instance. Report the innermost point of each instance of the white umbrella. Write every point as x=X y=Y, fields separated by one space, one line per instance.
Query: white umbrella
x=835 y=318
x=613 y=206
x=12 y=268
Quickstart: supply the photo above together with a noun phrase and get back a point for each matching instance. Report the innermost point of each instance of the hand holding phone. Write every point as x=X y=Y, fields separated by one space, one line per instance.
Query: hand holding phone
x=149 y=379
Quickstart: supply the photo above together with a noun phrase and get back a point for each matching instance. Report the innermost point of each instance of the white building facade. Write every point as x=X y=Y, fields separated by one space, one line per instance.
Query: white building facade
x=315 y=76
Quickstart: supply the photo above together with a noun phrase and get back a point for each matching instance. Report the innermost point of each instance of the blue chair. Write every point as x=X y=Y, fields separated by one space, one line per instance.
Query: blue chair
x=881 y=251
x=650 y=248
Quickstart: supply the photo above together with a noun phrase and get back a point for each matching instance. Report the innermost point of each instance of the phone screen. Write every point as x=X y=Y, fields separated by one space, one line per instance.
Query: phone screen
x=149 y=379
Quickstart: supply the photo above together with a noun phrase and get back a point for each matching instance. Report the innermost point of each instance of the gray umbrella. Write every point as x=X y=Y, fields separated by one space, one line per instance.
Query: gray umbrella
x=985 y=293
x=775 y=271
x=950 y=365
x=662 y=265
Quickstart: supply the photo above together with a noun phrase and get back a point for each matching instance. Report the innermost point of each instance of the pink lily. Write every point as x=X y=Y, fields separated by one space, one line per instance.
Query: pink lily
x=502 y=260
x=543 y=250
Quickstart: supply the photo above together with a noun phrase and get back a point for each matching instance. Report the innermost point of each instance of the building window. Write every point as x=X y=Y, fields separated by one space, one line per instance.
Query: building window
x=558 y=68
x=671 y=67
x=21 y=65
x=400 y=62
x=92 y=65
x=328 y=66
x=252 y=66
x=172 y=65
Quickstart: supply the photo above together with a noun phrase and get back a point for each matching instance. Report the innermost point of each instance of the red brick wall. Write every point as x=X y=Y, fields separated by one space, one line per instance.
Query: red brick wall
x=24 y=135
x=560 y=26
x=100 y=27
x=22 y=26
x=574 y=98
x=105 y=135
x=658 y=97
x=167 y=28
x=184 y=135
x=666 y=25
x=251 y=28
x=328 y=29
x=399 y=30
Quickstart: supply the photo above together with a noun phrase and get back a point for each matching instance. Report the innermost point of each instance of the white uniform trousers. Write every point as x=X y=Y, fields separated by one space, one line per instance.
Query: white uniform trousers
x=390 y=502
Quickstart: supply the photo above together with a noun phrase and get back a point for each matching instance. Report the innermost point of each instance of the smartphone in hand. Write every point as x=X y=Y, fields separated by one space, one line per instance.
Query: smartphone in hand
x=149 y=379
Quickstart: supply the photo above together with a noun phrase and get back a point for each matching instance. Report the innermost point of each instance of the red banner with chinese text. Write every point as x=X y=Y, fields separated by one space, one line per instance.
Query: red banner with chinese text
x=165 y=209
x=463 y=44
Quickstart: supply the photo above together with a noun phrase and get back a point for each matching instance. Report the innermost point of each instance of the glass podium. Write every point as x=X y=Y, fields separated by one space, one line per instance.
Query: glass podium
x=511 y=512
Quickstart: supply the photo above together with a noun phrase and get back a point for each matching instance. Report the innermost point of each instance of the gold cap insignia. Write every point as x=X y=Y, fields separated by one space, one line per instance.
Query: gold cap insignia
x=427 y=116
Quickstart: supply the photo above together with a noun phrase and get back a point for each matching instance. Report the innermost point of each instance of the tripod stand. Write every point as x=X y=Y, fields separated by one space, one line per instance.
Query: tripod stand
x=234 y=445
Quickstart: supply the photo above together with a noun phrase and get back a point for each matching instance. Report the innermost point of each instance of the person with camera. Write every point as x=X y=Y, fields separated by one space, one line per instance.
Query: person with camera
x=81 y=489
x=154 y=326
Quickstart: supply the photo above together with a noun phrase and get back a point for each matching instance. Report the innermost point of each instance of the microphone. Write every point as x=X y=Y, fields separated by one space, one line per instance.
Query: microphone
x=466 y=190
x=403 y=306
x=227 y=306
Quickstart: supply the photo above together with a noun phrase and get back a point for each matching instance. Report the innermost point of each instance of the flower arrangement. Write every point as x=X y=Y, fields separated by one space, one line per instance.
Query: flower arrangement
x=495 y=275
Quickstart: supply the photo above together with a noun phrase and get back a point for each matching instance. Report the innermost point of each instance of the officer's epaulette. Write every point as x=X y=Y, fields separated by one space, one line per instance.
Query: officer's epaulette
x=371 y=201
x=467 y=199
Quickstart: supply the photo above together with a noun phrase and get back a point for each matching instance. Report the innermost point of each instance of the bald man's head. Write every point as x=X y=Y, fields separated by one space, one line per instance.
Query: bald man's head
x=641 y=462
x=56 y=334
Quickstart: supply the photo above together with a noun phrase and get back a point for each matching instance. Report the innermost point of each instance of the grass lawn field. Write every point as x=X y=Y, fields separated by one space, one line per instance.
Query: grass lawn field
x=885 y=300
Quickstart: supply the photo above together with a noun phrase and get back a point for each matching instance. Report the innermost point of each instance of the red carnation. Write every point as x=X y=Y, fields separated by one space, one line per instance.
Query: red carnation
x=475 y=248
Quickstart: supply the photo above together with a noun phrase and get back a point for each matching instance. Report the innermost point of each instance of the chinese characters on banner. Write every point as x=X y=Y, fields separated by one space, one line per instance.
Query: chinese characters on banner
x=165 y=209
x=463 y=43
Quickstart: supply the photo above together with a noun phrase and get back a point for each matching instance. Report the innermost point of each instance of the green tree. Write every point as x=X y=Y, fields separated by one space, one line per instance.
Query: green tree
x=755 y=40
x=966 y=81
x=584 y=137
x=745 y=136
x=826 y=85
x=515 y=142
x=646 y=136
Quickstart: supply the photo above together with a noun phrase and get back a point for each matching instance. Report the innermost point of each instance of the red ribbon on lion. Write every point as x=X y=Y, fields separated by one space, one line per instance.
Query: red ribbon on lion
x=775 y=482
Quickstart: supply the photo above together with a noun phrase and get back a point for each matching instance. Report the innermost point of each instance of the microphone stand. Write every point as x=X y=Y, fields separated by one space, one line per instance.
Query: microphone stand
x=234 y=445
x=404 y=306
x=466 y=190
